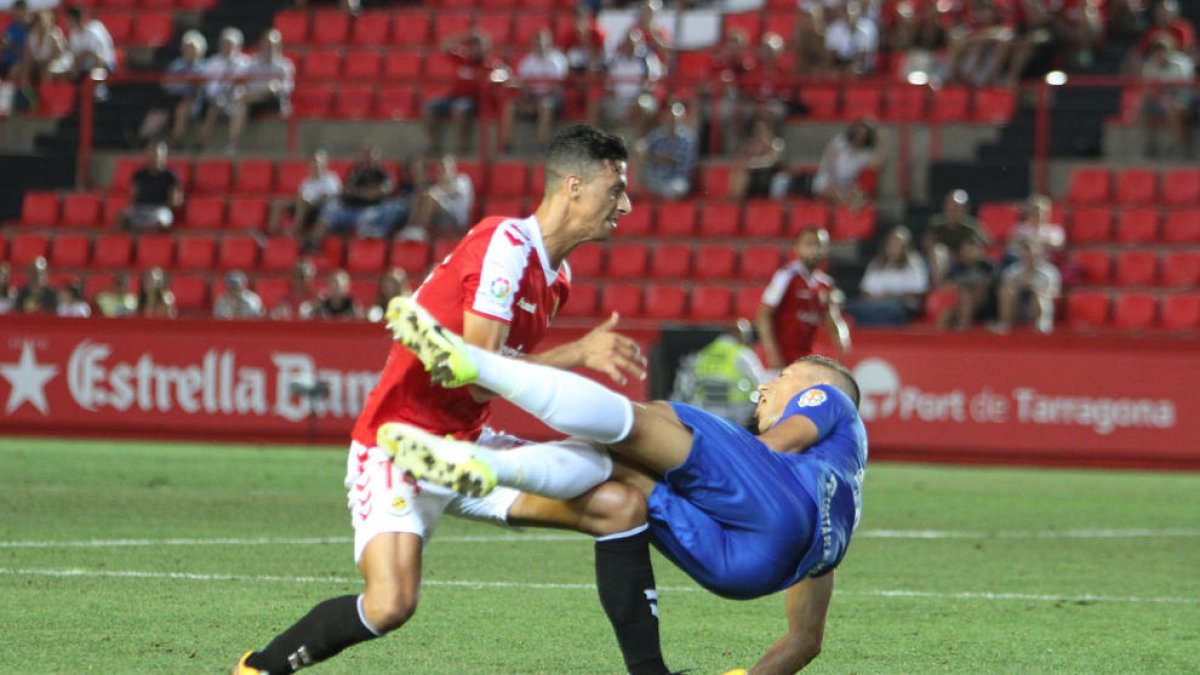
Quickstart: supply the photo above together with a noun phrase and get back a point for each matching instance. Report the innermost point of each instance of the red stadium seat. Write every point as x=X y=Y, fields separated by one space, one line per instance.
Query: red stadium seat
x=666 y=301
x=1182 y=227
x=764 y=219
x=586 y=261
x=1095 y=265
x=623 y=298
x=40 y=207
x=1181 y=269
x=191 y=293
x=152 y=29
x=293 y=26
x=271 y=290
x=1180 y=312
x=865 y=100
x=1181 y=187
x=292 y=172
x=722 y=219
x=525 y=25
x=321 y=64
x=670 y=261
x=626 y=261
x=1137 y=225
x=366 y=256
x=760 y=262
x=195 y=253
x=24 y=248
x=710 y=303
x=354 y=102
x=806 y=214
x=747 y=23
x=906 y=103
x=1090 y=225
x=1136 y=186
x=123 y=173
x=112 y=251
x=694 y=66
x=81 y=210
x=999 y=219
x=510 y=179
x=237 y=253
x=1134 y=311
x=153 y=250
x=256 y=176
x=411 y=256
x=69 y=251
x=504 y=206
x=329 y=28
x=3 y=248
x=1089 y=186
x=821 y=101
x=248 y=213
x=1087 y=309
x=1136 y=268
x=212 y=176
x=362 y=64
x=119 y=24
x=676 y=219
x=582 y=300
x=638 y=222
x=403 y=65
x=951 y=104
x=395 y=103
x=204 y=213
x=994 y=106
x=280 y=254
x=114 y=206
x=411 y=28
x=498 y=26
x=473 y=170
x=312 y=101
x=746 y=301
x=448 y=23
x=55 y=100
x=714 y=181
x=715 y=261
x=853 y=224
x=371 y=29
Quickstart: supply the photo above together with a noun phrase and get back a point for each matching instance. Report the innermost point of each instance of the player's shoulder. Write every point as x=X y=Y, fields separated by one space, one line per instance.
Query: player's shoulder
x=821 y=277
x=820 y=398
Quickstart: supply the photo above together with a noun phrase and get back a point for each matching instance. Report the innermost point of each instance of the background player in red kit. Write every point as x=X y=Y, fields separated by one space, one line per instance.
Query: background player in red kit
x=499 y=288
x=798 y=300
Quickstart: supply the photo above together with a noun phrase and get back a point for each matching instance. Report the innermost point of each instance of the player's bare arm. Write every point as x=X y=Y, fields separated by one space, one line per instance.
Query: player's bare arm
x=602 y=350
x=839 y=331
x=807 y=604
x=795 y=434
x=763 y=322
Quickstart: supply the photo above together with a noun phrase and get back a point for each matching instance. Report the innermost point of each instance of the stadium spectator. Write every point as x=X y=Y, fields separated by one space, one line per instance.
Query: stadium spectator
x=117 y=301
x=540 y=75
x=916 y=31
x=71 y=303
x=1028 y=290
x=270 y=77
x=847 y=157
x=46 y=54
x=798 y=300
x=321 y=186
x=666 y=158
x=851 y=39
x=767 y=85
x=947 y=231
x=444 y=207
x=474 y=67
x=723 y=376
x=180 y=103
x=155 y=191
x=808 y=40
x=1166 y=22
x=337 y=303
x=583 y=44
x=894 y=285
x=630 y=90
x=973 y=276
x=650 y=26
x=758 y=170
x=980 y=45
x=365 y=206
x=12 y=42
x=1167 y=105
x=732 y=60
x=393 y=284
x=1035 y=226
x=221 y=74
x=36 y=296
x=91 y=46
x=301 y=298
x=238 y=301
x=155 y=298
x=7 y=297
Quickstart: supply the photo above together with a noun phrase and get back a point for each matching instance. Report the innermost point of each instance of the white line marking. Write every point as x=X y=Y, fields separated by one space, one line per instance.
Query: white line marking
x=523 y=585
x=1133 y=533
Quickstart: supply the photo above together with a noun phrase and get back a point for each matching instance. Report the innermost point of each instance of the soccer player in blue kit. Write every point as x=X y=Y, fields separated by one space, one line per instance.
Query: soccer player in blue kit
x=743 y=515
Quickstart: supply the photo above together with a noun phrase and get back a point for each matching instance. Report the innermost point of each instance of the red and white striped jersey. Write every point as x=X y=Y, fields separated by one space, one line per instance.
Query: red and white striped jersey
x=801 y=302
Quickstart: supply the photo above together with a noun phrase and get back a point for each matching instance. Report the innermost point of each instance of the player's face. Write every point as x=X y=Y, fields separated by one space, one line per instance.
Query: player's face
x=603 y=199
x=773 y=396
x=812 y=247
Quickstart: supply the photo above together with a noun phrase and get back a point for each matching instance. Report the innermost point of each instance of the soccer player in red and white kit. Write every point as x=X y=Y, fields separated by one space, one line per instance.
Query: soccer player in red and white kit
x=499 y=288
x=798 y=300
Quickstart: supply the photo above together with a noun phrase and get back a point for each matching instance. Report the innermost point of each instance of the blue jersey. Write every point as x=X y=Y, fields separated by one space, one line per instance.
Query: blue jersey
x=745 y=521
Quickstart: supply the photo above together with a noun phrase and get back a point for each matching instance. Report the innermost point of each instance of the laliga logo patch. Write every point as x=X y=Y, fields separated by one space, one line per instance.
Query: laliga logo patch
x=400 y=505
x=811 y=398
x=500 y=288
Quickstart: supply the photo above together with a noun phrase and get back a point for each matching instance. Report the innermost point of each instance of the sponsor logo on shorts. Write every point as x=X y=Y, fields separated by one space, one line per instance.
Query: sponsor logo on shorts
x=811 y=398
x=400 y=505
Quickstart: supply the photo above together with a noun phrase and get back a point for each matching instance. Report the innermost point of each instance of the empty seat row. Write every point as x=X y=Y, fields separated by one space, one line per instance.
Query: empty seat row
x=1093 y=185
x=1133 y=225
x=1133 y=311
x=168 y=5
x=1179 y=269
x=906 y=103
x=412 y=28
x=676 y=261
x=714 y=303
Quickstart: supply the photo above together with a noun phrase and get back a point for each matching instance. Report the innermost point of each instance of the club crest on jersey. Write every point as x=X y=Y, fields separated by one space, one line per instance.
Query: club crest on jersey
x=811 y=398
x=500 y=288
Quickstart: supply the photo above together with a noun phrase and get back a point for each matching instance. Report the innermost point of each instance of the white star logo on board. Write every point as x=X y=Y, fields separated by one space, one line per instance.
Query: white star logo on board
x=28 y=379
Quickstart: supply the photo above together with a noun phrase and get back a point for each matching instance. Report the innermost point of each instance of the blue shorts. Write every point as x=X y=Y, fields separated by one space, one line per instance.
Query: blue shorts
x=733 y=515
x=442 y=107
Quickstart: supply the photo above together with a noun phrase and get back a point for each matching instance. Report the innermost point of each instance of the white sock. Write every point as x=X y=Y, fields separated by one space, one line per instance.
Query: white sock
x=561 y=470
x=566 y=402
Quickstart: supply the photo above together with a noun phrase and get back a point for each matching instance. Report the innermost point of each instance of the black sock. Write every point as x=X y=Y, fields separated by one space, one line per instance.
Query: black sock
x=326 y=630
x=627 y=593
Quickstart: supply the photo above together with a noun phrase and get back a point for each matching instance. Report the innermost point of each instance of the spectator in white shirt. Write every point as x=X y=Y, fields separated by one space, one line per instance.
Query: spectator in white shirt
x=632 y=74
x=90 y=44
x=1027 y=291
x=1167 y=106
x=539 y=76
x=446 y=205
x=851 y=39
x=221 y=72
x=71 y=303
x=270 y=77
x=1036 y=227
x=894 y=284
x=238 y=301
x=845 y=159
x=318 y=187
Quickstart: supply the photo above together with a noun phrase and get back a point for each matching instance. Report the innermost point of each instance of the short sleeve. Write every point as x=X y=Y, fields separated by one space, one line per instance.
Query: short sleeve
x=500 y=273
x=823 y=404
x=773 y=294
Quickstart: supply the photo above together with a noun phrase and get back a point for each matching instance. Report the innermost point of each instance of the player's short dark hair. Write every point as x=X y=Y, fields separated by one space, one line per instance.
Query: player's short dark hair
x=844 y=380
x=581 y=149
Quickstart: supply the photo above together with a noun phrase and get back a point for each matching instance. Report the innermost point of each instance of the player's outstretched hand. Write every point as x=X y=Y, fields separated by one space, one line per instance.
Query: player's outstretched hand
x=612 y=353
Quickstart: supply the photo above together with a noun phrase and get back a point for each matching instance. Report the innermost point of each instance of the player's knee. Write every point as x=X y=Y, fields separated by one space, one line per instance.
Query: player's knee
x=387 y=611
x=624 y=508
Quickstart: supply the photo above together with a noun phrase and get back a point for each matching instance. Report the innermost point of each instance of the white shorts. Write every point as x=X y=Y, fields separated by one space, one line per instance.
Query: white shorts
x=382 y=500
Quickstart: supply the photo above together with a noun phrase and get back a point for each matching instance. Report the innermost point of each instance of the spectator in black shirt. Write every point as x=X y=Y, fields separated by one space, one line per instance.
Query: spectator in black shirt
x=366 y=206
x=37 y=296
x=156 y=190
x=337 y=303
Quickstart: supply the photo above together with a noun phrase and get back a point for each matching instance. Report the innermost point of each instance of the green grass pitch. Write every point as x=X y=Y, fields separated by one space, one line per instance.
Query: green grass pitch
x=120 y=557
